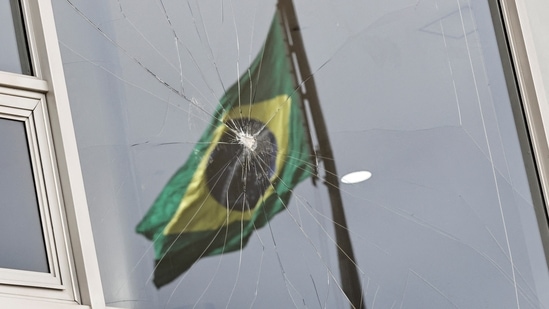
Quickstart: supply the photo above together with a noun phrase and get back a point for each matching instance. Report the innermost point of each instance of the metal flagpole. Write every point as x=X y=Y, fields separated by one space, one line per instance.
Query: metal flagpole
x=350 y=282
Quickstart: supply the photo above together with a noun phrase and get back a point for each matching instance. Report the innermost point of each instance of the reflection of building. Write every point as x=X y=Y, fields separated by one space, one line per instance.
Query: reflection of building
x=455 y=193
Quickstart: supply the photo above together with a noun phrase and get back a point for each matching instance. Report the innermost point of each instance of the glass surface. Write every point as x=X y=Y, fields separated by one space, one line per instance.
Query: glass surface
x=411 y=91
x=14 y=55
x=21 y=237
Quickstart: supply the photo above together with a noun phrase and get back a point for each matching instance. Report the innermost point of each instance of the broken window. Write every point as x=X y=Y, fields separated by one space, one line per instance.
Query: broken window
x=413 y=94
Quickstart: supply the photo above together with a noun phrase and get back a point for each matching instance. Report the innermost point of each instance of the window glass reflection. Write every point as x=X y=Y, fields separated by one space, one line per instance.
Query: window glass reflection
x=14 y=55
x=412 y=92
x=21 y=237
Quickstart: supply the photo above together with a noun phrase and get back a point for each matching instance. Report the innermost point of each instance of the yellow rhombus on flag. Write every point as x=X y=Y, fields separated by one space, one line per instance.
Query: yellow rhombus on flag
x=241 y=172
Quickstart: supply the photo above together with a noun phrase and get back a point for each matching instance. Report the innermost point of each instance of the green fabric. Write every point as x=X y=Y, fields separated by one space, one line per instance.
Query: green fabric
x=270 y=76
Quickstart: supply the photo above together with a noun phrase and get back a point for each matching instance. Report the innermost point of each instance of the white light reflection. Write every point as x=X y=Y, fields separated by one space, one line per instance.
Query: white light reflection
x=356 y=177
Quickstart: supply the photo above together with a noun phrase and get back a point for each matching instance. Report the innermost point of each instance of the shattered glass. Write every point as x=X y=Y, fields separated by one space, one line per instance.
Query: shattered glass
x=414 y=92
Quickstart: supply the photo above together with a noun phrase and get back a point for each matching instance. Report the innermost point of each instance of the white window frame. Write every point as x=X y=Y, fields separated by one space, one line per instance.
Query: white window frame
x=530 y=63
x=28 y=108
x=41 y=102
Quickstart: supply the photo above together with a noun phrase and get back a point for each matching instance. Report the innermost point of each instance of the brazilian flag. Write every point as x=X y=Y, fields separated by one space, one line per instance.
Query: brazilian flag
x=241 y=172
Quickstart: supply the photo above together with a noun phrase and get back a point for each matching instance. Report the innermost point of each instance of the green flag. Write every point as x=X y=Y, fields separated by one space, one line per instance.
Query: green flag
x=241 y=172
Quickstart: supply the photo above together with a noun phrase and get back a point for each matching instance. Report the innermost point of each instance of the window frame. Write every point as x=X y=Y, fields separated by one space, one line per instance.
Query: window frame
x=524 y=66
x=28 y=108
x=42 y=102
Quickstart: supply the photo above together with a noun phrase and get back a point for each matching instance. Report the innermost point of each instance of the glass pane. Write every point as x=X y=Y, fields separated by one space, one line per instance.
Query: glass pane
x=14 y=55
x=412 y=92
x=21 y=237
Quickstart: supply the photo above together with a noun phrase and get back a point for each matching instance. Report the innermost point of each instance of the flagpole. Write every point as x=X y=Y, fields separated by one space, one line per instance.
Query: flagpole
x=350 y=282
